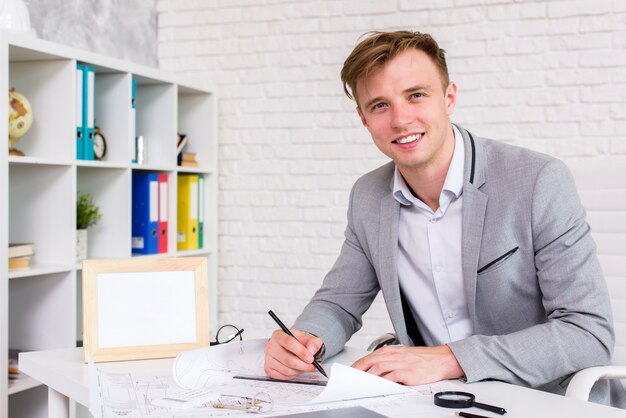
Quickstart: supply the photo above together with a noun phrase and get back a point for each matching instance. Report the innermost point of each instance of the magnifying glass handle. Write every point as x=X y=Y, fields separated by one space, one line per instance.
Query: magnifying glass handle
x=491 y=408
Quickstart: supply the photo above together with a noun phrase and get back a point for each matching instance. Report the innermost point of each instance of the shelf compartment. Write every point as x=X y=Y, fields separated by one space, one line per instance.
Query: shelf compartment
x=30 y=403
x=46 y=303
x=49 y=87
x=195 y=110
x=42 y=210
x=113 y=114
x=156 y=120
x=111 y=191
x=24 y=382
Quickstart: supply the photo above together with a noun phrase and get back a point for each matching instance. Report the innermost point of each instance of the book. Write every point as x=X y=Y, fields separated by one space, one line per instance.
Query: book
x=189 y=164
x=17 y=263
x=21 y=250
x=189 y=156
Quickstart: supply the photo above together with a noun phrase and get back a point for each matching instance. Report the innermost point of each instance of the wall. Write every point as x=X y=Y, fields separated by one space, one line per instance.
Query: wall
x=124 y=29
x=549 y=75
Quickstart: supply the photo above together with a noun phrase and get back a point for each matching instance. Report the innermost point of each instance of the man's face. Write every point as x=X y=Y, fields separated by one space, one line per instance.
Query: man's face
x=406 y=110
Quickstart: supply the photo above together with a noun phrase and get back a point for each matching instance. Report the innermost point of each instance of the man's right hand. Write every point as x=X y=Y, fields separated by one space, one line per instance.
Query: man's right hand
x=286 y=357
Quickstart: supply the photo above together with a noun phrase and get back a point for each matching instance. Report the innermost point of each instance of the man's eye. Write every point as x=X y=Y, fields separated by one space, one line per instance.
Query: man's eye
x=378 y=106
x=417 y=95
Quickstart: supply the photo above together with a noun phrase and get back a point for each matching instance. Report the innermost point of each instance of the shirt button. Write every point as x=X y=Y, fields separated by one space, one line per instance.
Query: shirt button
x=433 y=220
x=450 y=314
x=438 y=268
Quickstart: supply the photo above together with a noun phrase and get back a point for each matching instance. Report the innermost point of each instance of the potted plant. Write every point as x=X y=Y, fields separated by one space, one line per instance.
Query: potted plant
x=87 y=214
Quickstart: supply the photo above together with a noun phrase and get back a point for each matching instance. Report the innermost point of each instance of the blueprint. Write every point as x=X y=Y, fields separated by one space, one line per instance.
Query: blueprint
x=133 y=394
x=212 y=369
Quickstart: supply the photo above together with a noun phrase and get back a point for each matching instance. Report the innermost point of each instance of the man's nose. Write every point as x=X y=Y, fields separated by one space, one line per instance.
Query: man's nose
x=400 y=116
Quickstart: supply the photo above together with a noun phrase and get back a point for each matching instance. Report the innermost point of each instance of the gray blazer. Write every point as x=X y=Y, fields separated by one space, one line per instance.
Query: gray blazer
x=536 y=294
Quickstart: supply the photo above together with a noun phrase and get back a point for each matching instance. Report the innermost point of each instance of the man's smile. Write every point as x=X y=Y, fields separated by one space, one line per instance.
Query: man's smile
x=408 y=139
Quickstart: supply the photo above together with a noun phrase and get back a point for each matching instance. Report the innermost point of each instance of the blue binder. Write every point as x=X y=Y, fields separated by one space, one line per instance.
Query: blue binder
x=79 y=112
x=88 y=110
x=145 y=239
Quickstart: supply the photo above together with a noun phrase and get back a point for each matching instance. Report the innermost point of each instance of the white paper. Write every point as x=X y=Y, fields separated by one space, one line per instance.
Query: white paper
x=133 y=395
x=212 y=368
x=146 y=308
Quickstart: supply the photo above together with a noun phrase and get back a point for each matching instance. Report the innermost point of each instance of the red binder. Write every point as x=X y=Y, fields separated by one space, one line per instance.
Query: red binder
x=163 y=216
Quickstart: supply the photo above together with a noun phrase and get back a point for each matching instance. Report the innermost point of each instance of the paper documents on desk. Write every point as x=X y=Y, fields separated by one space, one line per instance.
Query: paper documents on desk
x=117 y=392
x=213 y=368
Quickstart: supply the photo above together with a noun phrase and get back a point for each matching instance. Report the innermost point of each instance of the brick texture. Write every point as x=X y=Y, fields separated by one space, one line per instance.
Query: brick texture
x=548 y=75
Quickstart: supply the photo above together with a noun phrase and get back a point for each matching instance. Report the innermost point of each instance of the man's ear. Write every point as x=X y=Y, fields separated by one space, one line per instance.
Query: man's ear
x=450 y=98
x=363 y=120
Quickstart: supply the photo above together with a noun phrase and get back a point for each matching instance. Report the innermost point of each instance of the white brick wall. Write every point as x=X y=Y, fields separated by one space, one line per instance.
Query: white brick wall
x=549 y=75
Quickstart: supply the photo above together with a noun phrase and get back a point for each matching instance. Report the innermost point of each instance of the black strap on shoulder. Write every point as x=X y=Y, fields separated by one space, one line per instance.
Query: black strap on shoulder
x=471 y=179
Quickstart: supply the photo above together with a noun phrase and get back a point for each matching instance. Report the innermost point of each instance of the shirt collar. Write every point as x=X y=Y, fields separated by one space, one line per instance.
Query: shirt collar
x=454 y=178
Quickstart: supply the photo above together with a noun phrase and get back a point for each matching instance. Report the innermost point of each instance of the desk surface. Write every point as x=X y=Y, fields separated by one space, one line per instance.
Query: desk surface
x=64 y=371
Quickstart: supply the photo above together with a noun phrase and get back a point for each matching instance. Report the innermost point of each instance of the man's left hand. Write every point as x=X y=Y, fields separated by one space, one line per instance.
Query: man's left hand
x=412 y=365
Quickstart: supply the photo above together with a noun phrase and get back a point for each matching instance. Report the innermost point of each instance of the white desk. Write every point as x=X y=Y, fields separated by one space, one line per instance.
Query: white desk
x=68 y=378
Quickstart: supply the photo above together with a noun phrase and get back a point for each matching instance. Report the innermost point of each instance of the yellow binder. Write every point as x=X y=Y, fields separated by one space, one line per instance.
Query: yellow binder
x=187 y=225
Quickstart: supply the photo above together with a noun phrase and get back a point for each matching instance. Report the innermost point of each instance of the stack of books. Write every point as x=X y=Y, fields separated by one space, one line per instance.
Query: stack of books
x=19 y=255
x=188 y=159
x=14 y=369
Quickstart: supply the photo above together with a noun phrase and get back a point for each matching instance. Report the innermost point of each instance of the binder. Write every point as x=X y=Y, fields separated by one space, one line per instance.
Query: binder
x=133 y=116
x=80 y=127
x=200 y=211
x=187 y=217
x=145 y=215
x=89 y=78
x=163 y=213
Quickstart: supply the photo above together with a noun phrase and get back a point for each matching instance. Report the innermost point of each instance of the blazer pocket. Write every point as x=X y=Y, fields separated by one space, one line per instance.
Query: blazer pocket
x=498 y=260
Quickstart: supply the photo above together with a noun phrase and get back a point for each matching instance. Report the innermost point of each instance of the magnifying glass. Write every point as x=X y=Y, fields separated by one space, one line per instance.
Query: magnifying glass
x=455 y=399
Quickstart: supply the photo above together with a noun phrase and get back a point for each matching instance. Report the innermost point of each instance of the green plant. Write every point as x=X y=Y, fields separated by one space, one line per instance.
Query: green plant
x=87 y=214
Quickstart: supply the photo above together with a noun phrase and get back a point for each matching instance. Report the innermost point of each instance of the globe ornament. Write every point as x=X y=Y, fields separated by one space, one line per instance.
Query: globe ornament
x=20 y=119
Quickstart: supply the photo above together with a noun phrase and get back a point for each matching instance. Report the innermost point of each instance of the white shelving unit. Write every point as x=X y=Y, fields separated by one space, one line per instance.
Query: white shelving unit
x=41 y=308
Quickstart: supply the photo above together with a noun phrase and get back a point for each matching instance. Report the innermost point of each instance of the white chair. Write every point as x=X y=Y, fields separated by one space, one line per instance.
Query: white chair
x=602 y=188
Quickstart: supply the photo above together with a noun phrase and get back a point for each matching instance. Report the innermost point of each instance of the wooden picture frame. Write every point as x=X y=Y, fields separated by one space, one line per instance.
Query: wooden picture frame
x=144 y=308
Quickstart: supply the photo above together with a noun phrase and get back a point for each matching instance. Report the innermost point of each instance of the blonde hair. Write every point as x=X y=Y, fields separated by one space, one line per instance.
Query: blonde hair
x=380 y=47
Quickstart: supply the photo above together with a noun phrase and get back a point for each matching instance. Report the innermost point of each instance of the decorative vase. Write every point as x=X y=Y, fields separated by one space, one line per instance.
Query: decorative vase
x=14 y=16
x=81 y=244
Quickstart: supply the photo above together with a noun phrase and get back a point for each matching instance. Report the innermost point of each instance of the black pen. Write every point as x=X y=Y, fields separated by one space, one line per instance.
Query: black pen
x=284 y=328
x=468 y=415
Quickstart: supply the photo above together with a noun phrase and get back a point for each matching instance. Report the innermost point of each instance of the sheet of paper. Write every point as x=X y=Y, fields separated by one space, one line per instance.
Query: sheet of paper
x=132 y=395
x=211 y=367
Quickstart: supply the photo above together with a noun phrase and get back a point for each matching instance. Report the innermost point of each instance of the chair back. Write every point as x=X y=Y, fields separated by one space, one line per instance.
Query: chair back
x=602 y=188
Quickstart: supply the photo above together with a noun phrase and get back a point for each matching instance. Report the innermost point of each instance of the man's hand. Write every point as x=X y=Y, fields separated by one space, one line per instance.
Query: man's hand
x=286 y=357
x=412 y=365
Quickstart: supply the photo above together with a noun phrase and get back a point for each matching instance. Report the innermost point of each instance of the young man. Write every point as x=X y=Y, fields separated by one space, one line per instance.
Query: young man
x=481 y=249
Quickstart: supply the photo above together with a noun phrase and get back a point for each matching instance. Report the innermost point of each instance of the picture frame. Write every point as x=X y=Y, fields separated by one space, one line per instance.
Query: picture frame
x=144 y=308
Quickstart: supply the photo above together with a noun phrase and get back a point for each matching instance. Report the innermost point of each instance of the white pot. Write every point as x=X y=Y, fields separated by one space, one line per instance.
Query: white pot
x=14 y=16
x=81 y=244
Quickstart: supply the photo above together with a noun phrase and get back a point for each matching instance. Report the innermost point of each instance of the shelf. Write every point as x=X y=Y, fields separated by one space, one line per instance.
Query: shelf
x=41 y=269
x=38 y=161
x=193 y=170
x=193 y=253
x=23 y=383
x=152 y=167
x=101 y=164
x=41 y=307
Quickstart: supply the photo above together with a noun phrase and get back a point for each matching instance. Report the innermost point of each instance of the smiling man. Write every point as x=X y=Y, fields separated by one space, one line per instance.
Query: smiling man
x=481 y=249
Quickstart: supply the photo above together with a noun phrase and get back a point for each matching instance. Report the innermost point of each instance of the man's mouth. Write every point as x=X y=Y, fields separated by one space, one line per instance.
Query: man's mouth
x=408 y=139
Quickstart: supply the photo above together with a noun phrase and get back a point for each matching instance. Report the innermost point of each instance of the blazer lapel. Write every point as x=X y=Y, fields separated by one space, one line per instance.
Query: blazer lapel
x=473 y=218
x=388 y=250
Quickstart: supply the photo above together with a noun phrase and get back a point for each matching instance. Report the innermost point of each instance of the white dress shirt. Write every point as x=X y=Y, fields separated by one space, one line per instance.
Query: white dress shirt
x=429 y=256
